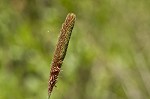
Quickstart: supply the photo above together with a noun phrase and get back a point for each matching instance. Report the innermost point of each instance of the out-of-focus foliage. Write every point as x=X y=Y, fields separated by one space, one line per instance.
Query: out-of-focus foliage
x=108 y=55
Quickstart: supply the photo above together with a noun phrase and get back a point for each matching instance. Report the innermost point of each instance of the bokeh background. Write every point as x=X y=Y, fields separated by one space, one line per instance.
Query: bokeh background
x=108 y=55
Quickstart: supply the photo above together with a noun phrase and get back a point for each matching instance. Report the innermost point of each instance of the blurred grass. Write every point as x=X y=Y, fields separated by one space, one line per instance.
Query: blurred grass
x=108 y=55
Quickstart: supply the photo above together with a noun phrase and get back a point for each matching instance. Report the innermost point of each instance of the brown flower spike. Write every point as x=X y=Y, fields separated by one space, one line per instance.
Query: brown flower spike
x=60 y=51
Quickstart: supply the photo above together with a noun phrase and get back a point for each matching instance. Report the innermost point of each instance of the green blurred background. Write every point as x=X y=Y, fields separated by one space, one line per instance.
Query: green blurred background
x=108 y=55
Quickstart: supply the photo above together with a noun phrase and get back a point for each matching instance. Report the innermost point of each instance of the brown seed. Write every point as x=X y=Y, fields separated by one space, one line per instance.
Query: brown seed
x=61 y=49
